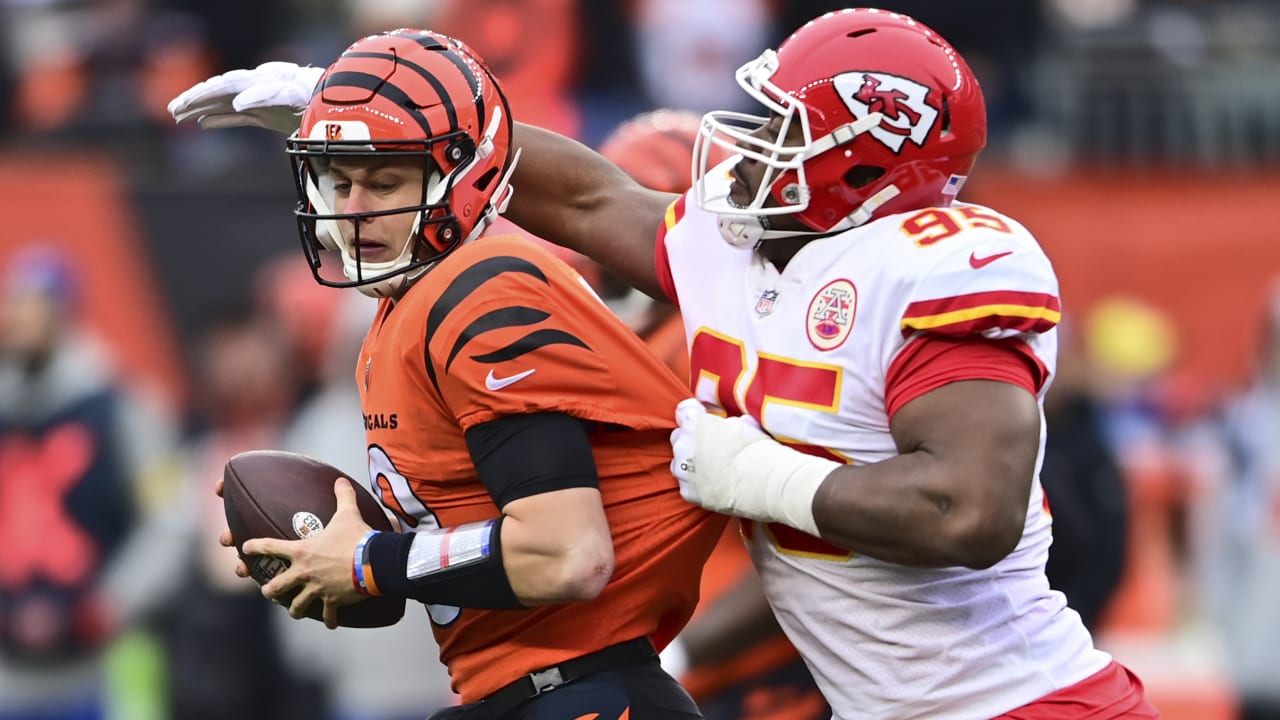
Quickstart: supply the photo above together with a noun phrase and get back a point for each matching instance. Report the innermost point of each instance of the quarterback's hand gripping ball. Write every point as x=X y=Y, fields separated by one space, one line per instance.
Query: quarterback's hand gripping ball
x=286 y=496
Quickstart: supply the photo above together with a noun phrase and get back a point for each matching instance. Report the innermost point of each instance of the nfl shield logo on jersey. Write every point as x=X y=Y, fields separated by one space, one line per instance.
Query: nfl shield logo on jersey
x=766 y=302
x=831 y=314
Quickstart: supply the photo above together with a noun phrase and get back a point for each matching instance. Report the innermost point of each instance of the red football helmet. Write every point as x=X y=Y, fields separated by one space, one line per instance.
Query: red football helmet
x=891 y=117
x=405 y=93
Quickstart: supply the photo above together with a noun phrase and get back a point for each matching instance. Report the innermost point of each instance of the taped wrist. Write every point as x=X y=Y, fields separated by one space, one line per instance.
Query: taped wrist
x=459 y=566
x=780 y=483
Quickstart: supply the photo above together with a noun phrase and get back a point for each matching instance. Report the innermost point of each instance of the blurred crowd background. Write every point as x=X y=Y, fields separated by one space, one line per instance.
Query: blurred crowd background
x=156 y=317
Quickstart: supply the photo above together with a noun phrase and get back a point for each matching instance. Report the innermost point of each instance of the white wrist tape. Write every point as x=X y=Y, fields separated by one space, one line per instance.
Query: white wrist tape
x=437 y=550
x=779 y=483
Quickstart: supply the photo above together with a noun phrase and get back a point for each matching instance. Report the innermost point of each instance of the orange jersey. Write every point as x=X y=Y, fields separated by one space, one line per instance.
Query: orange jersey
x=497 y=328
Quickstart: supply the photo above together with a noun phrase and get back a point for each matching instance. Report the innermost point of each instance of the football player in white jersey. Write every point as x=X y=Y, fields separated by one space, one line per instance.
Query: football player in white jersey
x=871 y=355
x=868 y=357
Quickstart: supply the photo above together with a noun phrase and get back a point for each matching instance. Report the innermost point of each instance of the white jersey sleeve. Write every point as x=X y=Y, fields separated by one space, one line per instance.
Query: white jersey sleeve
x=994 y=286
x=992 y=280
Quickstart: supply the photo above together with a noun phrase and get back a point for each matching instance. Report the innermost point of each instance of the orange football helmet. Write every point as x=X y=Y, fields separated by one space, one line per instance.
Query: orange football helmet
x=403 y=93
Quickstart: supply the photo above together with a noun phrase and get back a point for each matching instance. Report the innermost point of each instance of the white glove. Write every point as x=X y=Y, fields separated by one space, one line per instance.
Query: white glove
x=730 y=465
x=272 y=96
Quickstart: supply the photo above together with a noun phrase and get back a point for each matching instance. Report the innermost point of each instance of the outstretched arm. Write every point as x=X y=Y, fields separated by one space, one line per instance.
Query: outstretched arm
x=565 y=193
x=570 y=195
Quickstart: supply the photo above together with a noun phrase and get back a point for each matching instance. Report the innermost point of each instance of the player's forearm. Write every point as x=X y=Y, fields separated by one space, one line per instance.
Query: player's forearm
x=552 y=565
x=558 y=179
x=956 y=500
x=907 y=510
x=495 y=564
x=570 y=195
x=460 y=566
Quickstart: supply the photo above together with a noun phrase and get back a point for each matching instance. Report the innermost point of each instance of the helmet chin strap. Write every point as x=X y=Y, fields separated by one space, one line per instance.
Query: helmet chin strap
x=748 y=231
x=868 y=208
x=743 y=231
x=498 y=201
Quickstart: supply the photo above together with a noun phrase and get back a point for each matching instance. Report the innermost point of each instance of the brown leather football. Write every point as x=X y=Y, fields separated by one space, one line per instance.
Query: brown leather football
x=270 y=493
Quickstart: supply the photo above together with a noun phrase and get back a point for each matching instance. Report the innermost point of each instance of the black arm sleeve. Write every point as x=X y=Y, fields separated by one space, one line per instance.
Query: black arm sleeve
x=515 y=456
x=521 y=455
x=480 y=583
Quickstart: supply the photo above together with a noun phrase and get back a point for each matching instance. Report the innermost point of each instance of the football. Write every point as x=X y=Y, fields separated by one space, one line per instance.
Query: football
x=269 y=493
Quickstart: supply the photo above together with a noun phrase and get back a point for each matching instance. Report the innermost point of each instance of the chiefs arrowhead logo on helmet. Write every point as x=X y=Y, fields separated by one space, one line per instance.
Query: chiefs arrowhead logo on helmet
x=907 y=116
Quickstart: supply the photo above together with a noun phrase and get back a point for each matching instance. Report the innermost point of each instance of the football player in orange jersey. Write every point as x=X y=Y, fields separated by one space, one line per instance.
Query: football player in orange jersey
x=733 y=656
x=515 y=427
x=891 y=488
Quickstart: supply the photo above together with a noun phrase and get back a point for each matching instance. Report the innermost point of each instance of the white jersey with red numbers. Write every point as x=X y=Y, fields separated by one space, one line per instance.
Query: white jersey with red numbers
x=810 y=353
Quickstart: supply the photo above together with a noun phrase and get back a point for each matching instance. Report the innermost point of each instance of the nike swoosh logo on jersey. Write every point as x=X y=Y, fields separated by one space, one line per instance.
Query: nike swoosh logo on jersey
x=976 y=262
x=495 y=383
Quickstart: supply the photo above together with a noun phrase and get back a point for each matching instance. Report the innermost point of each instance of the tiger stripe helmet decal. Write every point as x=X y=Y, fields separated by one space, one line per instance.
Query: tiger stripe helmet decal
x=411 y=93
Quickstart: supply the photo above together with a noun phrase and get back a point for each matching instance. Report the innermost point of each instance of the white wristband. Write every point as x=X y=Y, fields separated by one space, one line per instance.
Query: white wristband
x=787 y=481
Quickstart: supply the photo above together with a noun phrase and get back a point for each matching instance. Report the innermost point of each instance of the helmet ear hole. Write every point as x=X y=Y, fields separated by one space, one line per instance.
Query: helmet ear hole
x=482 y=183
x=860 y=176
x=447 y=234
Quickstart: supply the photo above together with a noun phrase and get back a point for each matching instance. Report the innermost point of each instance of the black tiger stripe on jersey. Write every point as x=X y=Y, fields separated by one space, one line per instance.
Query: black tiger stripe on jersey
x=461 y=288
x=511 y=316
x=529 y=343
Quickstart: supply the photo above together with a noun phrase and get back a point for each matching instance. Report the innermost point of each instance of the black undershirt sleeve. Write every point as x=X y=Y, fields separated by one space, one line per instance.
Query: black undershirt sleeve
x=515 y=456
x=521 y=455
